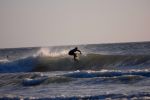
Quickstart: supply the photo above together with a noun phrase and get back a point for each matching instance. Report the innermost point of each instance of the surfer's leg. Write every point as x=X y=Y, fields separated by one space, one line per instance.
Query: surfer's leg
x=75 y=57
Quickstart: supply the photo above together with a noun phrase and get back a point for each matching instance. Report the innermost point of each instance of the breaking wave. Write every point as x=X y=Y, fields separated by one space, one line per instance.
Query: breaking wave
x=47 y=52
x=66 y=63
x=93 y=62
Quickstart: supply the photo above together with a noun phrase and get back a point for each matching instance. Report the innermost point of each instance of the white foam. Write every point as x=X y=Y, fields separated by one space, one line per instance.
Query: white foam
x=30 y=81
x=4 y=60
x=42 y=52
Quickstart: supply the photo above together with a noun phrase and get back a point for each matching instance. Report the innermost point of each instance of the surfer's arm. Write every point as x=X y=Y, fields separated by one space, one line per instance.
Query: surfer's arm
x=79 y=51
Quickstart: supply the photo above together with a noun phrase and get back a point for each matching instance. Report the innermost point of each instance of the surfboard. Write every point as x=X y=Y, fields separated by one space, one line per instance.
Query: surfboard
x=78 y=55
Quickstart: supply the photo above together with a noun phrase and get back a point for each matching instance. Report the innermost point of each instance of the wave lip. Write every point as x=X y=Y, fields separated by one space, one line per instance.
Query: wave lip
x=47 y=52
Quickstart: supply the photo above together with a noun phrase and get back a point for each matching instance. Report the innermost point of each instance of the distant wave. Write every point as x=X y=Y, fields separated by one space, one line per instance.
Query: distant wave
x=66 y=63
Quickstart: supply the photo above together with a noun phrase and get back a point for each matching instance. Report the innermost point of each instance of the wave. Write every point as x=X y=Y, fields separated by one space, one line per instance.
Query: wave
x=109 y=73
x=93 y=62
x=66 y=63
x=31 y=79
x=45 y=80
x=76 y=77
x=133 y=96
x=108 y=76
x=20 y=65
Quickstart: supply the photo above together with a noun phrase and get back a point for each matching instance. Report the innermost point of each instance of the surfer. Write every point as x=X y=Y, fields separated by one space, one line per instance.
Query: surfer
x=74 y=52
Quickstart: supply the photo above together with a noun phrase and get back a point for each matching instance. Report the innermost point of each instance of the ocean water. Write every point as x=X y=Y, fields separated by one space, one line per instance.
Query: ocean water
x=104 y=71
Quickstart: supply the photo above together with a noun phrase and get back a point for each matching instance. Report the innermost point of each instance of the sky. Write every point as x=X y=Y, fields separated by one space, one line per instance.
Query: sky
x=27 y=23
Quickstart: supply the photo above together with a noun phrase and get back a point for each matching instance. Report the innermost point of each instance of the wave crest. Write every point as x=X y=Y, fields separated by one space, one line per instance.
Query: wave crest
x=47 y=52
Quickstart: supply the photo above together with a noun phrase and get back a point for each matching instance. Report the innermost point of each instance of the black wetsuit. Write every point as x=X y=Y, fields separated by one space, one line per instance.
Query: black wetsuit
x=72 y=52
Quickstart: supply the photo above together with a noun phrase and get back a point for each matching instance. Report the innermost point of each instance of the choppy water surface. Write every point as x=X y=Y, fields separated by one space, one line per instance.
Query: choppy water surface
x=105 y=71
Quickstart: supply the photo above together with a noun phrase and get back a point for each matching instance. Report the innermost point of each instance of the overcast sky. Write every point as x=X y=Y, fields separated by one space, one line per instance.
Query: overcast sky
x=26 y=23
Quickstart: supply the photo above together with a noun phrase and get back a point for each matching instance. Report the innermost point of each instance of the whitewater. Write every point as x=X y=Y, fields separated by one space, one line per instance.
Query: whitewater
x=105 y=71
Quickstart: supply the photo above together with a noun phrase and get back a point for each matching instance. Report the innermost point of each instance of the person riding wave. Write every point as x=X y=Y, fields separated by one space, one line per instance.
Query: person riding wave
x=73 y=52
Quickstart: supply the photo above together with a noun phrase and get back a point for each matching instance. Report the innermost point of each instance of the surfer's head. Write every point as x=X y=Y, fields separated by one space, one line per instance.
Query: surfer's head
x=76 y=48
